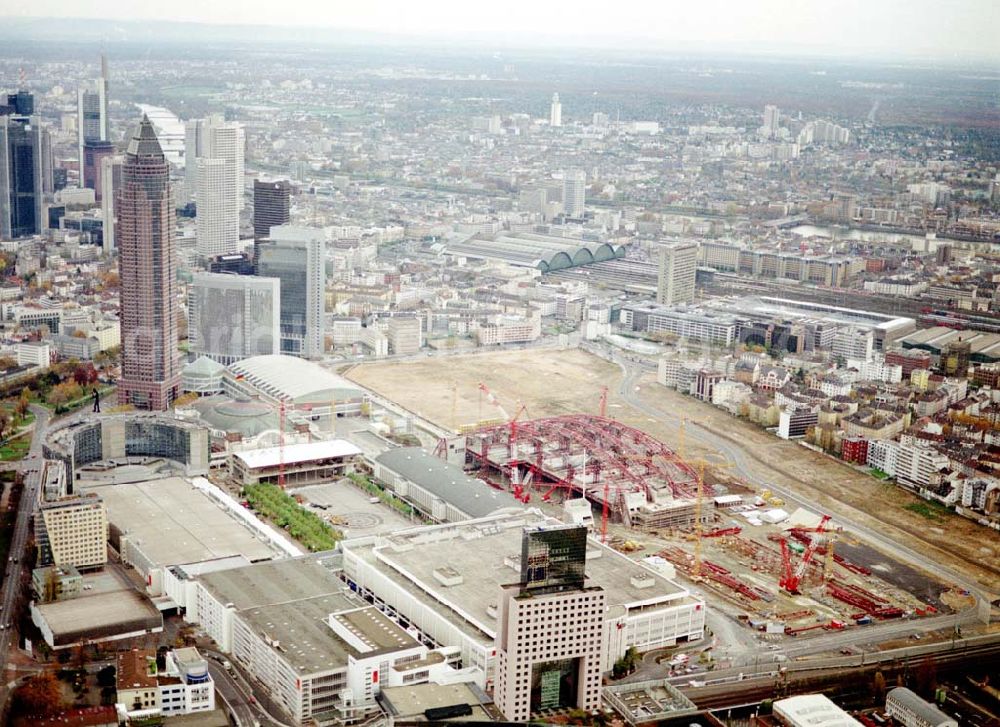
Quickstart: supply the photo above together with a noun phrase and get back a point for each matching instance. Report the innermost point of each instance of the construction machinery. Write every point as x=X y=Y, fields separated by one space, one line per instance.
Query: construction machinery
x=790 y=579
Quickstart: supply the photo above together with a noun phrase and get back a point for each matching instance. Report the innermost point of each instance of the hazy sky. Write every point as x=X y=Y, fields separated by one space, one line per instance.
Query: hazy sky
x=937 y=28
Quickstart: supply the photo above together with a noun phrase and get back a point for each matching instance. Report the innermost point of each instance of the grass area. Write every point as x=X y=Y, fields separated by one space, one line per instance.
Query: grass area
x=929 y=510
x=14 y=449
x=282 y=509
x=878 y=474
x=77 y=403
x=369 y=486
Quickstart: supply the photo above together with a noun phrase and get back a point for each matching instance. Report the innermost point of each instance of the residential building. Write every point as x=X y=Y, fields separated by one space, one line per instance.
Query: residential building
x=232 y=317
x=56 y=583
x=676 y=273
x=147 y=262
x=509 y=329
x=794 y=422
x=135 y=681
x=72 y=531
x=296 y=256
x=538 y=668
x=918 y=465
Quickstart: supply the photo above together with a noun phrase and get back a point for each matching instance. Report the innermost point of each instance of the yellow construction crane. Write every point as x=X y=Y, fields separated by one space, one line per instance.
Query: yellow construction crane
x=698 y=500
x=454 y=407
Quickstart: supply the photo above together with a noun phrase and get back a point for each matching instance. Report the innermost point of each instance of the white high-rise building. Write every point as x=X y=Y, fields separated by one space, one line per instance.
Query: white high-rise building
x=555 y=111
x=771 y=117
x=220 y=199
x=92 y=122
x=111 y=179
x=574 y=192
x=550 y=628
x=677 y=265
x=232 y=317
x=297 y=257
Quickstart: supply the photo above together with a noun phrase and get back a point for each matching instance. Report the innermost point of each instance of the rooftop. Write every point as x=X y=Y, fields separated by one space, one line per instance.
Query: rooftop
x=411 y=702
x=295 y=453
x=373 y=629
x=172 y=523
x=293 y=379
x=814 y=709
x=108 y=612
x=136 y=669
x=447 y=481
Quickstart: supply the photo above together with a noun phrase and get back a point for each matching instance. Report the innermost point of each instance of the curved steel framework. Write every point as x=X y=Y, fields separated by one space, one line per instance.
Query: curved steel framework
x=598 y=457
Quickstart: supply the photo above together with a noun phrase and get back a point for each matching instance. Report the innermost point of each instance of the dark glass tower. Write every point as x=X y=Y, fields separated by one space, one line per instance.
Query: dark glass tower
x=148 y=265
x=21 y=176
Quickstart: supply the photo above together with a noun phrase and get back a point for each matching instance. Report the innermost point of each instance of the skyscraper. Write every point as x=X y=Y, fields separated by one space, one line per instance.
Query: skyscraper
x=111 y=180
x=771 y=117
x=147 y=260
x=21 y=176
x=214 y=158
x=574 y=193
x=94 y=152
x=297 y=257
x=550 y=628
x=678 y=263
x=555 y=111
x=271 y=203
x=232 y=317
x=92 y=122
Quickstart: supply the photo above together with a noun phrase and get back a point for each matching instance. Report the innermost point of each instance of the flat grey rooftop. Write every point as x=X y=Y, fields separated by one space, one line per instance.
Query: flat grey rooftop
x=98 y=613
x=173 y=523
x=270 y=583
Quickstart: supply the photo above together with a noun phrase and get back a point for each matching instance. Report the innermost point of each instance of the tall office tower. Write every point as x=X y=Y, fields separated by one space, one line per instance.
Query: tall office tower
x=771 y=117
x=555 y=111
x=550 y=628
x=216 y=188
x=92 y=122
x=94 y=152
x=232 y=317
x=21 y=176
x=147 y=260
x=271 y=203
x=574 y=193
x=678 y=263
x=271 y=207
x=297 y=257
x=111 y=180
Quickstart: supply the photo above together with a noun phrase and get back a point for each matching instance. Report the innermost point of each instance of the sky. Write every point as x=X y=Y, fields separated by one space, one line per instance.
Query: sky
x=936 y=29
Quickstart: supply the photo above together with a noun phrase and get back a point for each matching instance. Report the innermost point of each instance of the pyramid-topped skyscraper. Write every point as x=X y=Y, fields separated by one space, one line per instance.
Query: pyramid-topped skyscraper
x=147 y=259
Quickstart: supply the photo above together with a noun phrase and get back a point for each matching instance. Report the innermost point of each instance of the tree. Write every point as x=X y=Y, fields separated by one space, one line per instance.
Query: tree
x=84 y=374
x=7 y=362
x=21 y=406
x=38 y=696
x=926 y=677
x=4 y=422
x=878 y=687
x=106 y=676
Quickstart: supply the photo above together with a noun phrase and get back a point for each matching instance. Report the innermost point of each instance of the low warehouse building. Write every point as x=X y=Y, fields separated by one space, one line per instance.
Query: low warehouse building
x=307 y=463
x=812 y=710
x=909 y=710
x=96 y=618
x=438 y=489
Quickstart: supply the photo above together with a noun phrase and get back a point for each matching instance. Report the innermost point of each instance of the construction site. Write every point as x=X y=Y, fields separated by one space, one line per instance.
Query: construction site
x=787 y=573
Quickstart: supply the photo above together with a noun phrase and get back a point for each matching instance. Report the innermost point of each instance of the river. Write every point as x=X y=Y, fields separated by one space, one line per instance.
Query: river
x=845 y=233
x=170 y=130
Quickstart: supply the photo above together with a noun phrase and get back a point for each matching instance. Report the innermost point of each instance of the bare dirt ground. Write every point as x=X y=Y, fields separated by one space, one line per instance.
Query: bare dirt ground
x=563 y=382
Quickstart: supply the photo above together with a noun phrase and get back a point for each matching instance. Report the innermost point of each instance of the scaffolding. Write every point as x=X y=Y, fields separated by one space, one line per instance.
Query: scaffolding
x=613 y=465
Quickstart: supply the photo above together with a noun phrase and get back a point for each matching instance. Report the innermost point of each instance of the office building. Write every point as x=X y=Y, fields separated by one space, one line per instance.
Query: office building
x=214 y=158
x=95 y=152
x=909 y=710
x=147 y=260
x=296 y=256
x=92 y=121
x=675 y=280
x=232 y=317
x=404 y=335
x=271 y=204
x=20 y=103
x=183 y=686
x=21 y=175
x=574 y=193
x=555 y=111
x=539 y=667
x=111 y=179
x=72 y=531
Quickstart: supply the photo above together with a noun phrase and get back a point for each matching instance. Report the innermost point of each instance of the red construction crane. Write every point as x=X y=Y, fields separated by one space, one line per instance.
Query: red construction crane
x=790 y=580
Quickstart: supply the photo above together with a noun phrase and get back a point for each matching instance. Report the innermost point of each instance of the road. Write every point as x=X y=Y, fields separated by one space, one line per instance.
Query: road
x=11 y=591
x=758 y=473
